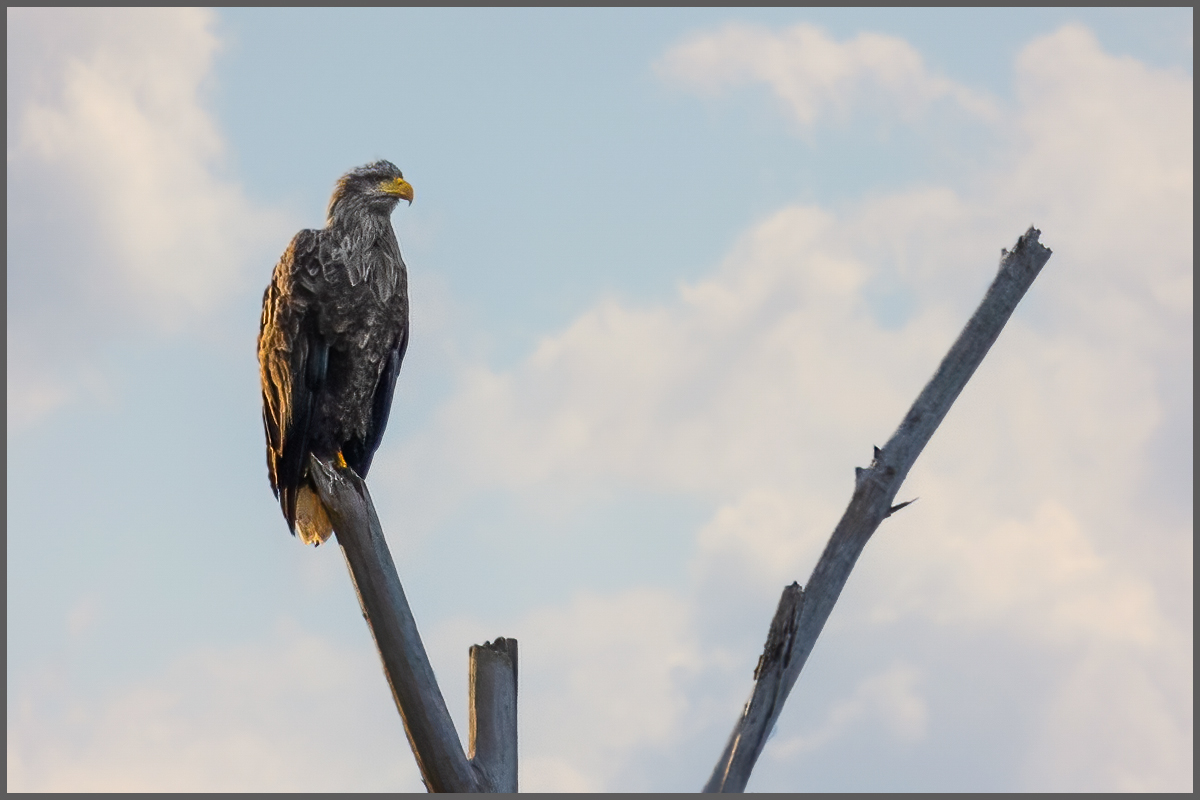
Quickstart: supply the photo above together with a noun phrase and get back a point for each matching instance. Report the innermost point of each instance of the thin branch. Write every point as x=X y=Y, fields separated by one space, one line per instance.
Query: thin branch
x=435 y=743
x=874 y=490
x=493 y=731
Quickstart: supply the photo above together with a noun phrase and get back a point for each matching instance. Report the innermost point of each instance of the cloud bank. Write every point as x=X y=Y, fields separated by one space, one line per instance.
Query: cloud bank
x=816 y=77
x=760 y=387
x=121 y=211
x=278 y=715
x=1040 y=592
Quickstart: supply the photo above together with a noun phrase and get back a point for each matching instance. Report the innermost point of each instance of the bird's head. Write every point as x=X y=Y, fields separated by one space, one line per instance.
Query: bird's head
x=377 y=187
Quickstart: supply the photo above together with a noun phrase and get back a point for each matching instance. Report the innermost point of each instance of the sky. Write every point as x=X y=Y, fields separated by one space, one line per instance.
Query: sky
x=673 y=273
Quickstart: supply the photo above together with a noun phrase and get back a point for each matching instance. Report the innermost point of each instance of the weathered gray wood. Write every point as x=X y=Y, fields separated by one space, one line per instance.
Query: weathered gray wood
x=493 y=734
x=802 y=614
x=435 y=743
x=769 y=691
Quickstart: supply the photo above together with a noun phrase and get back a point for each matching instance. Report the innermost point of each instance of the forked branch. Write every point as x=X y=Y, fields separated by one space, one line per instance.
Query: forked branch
x=435 y=744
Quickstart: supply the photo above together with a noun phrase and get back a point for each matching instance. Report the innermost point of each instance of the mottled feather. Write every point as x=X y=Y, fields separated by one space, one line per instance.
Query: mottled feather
x=332 y=338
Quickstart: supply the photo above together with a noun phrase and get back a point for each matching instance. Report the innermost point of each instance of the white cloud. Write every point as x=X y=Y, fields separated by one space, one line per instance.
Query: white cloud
x=601 y=679
x=1041 y=578
x=760 y=538
x=1106 y=158
x=119 y=210
x=1118 y=723
x=815 y=76
x=287 y=714
x=891 y=698
x=761 y=386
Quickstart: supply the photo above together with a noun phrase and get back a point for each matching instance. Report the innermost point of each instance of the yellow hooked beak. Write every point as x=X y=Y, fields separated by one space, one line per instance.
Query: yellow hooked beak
x=399 y=187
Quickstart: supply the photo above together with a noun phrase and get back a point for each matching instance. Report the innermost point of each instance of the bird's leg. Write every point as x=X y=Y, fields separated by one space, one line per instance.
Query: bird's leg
x=341 y=461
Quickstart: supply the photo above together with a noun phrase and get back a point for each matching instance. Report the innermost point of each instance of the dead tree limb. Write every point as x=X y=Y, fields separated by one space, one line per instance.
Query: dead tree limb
x=444 y=767
x=802 y=613
x=493 y=731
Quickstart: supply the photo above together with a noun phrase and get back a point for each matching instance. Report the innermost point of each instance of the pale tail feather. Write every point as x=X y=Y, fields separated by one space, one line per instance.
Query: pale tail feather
x=312 y=521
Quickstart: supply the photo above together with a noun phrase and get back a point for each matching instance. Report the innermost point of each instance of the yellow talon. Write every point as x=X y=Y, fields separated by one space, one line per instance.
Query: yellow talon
x=341 y=461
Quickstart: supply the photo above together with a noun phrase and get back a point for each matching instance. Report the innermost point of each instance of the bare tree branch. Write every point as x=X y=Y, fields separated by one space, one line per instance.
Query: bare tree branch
x=770 y=692
x=802 y=614
x=493 y=732
x=435 y=743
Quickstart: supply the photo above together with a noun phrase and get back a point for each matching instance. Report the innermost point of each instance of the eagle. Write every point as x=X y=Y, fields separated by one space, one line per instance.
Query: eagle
x=333 y=333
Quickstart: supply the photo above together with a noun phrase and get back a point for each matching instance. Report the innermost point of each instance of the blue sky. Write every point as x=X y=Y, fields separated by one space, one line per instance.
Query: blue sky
x=673 y=272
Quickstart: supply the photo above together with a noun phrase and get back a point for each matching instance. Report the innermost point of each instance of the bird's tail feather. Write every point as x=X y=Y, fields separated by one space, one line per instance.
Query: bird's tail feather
x=312 y=520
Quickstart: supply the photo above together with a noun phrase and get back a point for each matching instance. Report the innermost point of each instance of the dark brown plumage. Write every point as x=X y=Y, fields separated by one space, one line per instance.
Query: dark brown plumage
x=333 y=334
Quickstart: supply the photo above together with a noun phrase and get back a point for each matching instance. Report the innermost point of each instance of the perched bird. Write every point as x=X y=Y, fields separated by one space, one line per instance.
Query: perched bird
x=333 y=333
